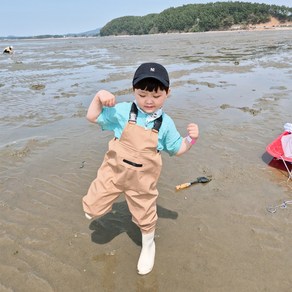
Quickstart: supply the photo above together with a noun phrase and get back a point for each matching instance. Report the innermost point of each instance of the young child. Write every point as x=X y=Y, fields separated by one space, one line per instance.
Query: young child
x=133 y=163
x=8 y=50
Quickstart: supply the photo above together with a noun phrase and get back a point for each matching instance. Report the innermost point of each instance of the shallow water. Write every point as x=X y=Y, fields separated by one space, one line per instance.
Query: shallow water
x=213 y=237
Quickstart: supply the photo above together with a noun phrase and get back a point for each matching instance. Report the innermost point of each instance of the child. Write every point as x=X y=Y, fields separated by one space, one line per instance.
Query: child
x=133 y=163
x=8 y=50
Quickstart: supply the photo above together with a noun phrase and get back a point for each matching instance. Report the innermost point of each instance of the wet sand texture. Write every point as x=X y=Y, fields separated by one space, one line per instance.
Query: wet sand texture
x=217 y=236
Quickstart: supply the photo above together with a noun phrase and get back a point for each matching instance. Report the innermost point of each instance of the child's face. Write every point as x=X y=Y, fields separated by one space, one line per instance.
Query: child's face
x=150 y=101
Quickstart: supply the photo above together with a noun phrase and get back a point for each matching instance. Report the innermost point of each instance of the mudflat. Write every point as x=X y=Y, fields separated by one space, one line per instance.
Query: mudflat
x=217 y=236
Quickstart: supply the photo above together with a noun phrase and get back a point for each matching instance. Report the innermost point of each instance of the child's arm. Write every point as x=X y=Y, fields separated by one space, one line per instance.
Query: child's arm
x=193 y=134
x=101 y=99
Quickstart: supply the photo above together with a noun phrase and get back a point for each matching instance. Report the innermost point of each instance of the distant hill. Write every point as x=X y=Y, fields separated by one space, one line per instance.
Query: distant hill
x=90 y=33
x=190 y=18
x=94 y=32
x=198 y=18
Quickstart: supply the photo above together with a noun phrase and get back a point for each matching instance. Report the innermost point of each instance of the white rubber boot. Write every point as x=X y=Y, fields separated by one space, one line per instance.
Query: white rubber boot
x=87 y=216
x=147 y=255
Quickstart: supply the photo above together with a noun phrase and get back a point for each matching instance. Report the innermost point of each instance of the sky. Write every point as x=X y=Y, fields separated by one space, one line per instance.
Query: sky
x=40 y=17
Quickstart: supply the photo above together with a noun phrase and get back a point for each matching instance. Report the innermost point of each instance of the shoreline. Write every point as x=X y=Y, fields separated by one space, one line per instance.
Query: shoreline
x=272 y=25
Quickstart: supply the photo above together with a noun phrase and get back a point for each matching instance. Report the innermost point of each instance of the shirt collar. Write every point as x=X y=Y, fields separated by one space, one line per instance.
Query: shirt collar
x=150 y=117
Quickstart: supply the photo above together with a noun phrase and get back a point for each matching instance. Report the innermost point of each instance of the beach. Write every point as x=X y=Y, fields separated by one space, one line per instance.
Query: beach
x=210 y=237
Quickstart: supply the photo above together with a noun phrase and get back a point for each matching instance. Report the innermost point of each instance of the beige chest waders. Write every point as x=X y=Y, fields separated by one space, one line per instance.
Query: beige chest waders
x=132 y=166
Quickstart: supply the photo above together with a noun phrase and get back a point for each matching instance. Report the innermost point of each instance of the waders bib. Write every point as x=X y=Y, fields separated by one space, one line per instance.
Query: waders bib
x=132 y=165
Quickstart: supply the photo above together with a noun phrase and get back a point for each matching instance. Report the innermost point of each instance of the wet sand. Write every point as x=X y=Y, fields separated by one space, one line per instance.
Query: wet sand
x=213 y=237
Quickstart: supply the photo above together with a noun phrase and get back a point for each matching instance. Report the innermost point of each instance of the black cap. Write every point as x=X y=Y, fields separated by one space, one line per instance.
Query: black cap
x=151 y=70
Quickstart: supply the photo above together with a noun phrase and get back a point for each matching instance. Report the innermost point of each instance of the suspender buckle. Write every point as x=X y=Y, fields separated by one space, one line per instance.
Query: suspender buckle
x=133 y=118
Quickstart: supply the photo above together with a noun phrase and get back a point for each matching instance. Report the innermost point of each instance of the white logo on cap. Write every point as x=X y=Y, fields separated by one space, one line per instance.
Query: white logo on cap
x=152 y=69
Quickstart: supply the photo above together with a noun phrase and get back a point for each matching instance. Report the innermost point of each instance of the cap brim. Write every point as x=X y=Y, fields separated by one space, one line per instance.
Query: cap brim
x=144 y=76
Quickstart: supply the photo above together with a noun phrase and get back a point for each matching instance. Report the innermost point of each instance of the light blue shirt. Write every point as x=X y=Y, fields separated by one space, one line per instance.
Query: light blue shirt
x=115 y=119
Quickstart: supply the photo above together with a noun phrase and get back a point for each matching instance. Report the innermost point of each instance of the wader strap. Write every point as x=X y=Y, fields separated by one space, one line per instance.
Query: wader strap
x=133 y=118
x=157 y=124
x=133 y=113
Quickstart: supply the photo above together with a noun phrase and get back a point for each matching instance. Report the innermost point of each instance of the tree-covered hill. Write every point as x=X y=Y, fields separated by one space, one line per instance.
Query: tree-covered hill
x=197 y=18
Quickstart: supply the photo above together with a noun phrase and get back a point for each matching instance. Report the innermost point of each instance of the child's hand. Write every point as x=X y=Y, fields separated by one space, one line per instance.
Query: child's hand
x=193 y=134
x=193 y=131
x=106 y=98
x=102 y=98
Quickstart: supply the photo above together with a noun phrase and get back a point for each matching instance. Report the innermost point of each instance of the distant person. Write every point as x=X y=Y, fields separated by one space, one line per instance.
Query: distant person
x=8 y=50
x=132 y=164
